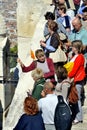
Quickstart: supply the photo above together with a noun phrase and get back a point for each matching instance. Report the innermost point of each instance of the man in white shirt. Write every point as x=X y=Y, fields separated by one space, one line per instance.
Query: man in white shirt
x=47 y=105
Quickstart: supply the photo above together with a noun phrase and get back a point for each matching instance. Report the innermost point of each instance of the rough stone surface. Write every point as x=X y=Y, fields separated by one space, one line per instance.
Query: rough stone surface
x=8 y=11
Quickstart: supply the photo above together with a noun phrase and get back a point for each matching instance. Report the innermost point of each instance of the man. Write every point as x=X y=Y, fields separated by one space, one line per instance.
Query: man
x=78 y=33
x=47 y=105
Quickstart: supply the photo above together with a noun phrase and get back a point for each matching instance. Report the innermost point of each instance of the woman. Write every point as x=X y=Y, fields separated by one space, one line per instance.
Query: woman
x=78 y=73
x=64 y=19
x=49 y=16
x=63 y=84
x=53 y=41
x=63 y=88
x=46 y=64
x=37 y=75
x=32 y=118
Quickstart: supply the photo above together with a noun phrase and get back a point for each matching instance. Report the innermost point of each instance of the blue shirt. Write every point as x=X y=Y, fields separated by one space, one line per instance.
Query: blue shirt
x=30 y=122
x=81 y=35
x=48 y=46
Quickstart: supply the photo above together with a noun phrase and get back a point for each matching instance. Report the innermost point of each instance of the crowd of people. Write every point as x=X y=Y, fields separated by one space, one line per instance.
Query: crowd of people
x=51 y=79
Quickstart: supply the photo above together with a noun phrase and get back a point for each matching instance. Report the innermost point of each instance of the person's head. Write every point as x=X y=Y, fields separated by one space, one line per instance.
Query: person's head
x=49 y=16
x=77 y=46
x=40 y=55
x=61 y=73
x=85 y=2
x=85 y=14
x=61 y=8
x=76 y=22
x=30 y=106
x=48 y=88
x=37 y=74
x=61 y=1
x=52 y=26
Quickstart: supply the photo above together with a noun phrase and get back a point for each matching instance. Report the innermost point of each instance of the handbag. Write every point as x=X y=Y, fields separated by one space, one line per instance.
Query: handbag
x=73 y=94
x=58 y=56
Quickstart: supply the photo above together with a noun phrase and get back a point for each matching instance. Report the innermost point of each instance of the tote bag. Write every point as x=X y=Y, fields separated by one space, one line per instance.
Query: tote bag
x=58 y=56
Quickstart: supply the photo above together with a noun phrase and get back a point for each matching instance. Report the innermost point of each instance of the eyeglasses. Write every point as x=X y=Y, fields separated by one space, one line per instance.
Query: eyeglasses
x=59 y=9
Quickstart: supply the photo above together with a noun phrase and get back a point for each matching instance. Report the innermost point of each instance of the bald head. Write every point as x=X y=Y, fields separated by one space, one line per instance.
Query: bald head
x=48 y=87
x=76 y=22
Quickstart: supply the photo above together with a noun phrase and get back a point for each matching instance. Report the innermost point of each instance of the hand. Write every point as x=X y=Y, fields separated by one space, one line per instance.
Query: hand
x=20 y=62
x=42 y=43
x=43 y=94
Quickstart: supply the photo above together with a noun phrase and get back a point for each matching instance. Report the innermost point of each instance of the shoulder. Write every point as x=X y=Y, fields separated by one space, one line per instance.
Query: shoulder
x=66 y=83
x=80 y=56
x=49 y=60
x=24 y=117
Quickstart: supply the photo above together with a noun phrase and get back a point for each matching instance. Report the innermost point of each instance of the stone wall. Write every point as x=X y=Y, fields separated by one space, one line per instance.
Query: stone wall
x=8 y=11
x=19 y=19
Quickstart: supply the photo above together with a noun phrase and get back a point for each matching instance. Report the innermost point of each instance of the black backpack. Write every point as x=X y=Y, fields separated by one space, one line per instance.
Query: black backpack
x=62 y=116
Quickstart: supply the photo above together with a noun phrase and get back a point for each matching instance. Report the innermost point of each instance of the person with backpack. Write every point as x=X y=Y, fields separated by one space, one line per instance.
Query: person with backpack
x=62 y=116
x=63 y=84
x=47 y=105
x=64 y=87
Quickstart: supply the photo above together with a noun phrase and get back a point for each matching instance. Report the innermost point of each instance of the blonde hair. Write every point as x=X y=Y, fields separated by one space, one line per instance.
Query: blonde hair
x=78 y=45
x=39 y=52
x=37 y=73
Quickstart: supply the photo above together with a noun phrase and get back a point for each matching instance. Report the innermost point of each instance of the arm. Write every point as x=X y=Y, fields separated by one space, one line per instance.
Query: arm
x=78 y=62
x=37 y=91
x=51 y=68
x=54 y=41
x=46 y=32
x=31 y=67
x=65 y=88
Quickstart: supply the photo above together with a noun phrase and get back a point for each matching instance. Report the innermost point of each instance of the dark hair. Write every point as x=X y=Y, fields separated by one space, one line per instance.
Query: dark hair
x=30 y=106
x=49 y=15
x=61 y=73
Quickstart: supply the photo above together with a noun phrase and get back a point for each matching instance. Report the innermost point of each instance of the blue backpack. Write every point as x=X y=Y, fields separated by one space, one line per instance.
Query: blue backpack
x=62 y=116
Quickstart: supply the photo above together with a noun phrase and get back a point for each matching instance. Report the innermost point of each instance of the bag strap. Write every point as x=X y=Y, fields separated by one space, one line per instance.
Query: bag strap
x=69 y=89
x=60 y=99
x=65 y=82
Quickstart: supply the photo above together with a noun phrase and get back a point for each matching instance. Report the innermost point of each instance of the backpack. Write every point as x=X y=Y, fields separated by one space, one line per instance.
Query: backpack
x=62 y=116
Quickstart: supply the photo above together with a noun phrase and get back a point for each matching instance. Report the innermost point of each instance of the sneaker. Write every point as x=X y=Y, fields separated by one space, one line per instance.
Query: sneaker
x=76 y=122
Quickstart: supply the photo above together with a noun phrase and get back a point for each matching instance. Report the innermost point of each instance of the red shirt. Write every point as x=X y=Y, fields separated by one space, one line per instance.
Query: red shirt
x=78 y=71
